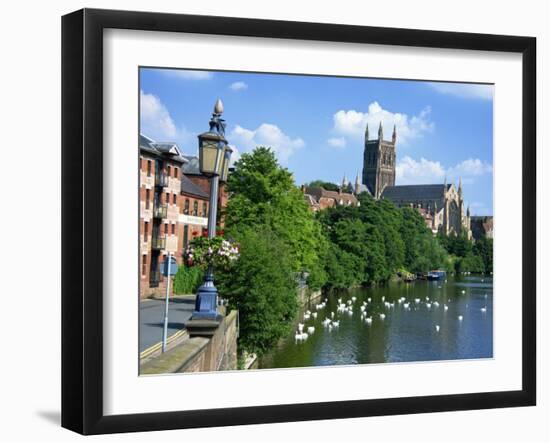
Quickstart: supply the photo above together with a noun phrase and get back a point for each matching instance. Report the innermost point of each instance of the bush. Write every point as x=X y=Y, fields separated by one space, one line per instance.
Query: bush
x=188 y=279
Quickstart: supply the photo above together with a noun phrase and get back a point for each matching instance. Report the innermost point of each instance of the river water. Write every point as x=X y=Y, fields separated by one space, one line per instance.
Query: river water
x=411 y=330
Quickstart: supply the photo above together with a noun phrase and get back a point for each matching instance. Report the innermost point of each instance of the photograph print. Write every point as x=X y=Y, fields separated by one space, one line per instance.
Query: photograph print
x=290 y=221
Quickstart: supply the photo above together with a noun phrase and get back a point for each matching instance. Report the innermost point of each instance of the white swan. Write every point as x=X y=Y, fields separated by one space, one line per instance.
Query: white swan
x=460 y=318
x=368 y=320
x=382 y=316
x=300 y=327
x=484 y=309
x=335 y=324
x=314 y=315
x=445 y=307
x=464 y=291
x=429 y=305
x=436 y=328
x=311 y=329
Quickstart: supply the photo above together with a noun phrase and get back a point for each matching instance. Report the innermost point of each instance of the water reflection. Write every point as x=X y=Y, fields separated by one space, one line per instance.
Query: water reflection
x=416 y=327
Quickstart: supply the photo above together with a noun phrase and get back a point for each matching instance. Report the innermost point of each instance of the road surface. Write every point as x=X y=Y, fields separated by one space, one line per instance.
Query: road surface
x=151 y=318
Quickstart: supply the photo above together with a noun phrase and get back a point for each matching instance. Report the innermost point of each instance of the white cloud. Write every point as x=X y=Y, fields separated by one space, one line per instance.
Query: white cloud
x=470 y=167
x=352 y=123
x=156 y=121
x=268 y=135
x=186 y=74
x=409 y=171
x=337 y=142
x=465 y=90
x=238 y=86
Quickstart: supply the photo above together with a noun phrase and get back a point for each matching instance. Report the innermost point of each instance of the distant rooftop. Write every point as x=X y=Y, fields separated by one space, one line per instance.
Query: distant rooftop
x=169 y=149
x=192 y=165
x=188 y=187
x=414 y=192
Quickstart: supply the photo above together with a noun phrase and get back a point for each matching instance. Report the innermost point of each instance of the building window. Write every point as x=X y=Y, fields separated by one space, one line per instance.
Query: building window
x=168 y=171
x=176 y=172
x=196 y=208
x=148 y=168
x=145 y=231
x=147 y=198
x=167 y=198
x=186 y=206
x=165 y=228
x=204 y=209
x=144 y=265
x=185 y=236
x=174 y=198
x=173 y=229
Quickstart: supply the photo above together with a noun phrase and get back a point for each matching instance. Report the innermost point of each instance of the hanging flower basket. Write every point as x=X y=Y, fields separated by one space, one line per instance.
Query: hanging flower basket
x=216 y=251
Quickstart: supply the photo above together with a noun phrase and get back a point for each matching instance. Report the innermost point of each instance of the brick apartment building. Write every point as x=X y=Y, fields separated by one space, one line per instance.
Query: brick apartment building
x=173 y=208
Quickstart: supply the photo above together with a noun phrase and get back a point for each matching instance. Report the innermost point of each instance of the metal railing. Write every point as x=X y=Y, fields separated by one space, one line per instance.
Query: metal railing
x=160 y=211
x=158 y=243
x=161 y=180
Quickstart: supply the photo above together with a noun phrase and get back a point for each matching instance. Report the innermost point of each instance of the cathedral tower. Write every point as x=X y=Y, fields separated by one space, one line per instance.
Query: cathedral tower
x=379 y=162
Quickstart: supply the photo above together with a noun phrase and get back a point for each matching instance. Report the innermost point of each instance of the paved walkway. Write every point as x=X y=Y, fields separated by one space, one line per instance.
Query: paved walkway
x=151 y=318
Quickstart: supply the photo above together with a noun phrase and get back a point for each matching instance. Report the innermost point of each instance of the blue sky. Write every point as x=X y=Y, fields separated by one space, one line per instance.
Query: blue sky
x=316 y=124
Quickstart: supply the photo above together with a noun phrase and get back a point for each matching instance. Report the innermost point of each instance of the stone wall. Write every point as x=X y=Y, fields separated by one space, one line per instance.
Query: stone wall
x=306 y=296
x=215 y=352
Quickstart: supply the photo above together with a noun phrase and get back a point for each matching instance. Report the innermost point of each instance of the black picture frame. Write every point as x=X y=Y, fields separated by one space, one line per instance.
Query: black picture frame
x=82 y=220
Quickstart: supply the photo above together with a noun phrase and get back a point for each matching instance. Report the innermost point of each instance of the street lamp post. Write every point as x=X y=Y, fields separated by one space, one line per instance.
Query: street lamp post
x=214 y=156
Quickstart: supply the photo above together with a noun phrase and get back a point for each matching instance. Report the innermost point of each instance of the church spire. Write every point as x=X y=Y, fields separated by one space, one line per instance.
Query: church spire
x=394 y=135
x=460 y=186
x=357 y=183
x=344 y=182
x=367 y=133
x=380 y=132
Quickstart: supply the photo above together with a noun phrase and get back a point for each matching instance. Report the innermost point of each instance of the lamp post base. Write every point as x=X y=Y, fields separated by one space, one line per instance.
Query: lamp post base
x=206 y=304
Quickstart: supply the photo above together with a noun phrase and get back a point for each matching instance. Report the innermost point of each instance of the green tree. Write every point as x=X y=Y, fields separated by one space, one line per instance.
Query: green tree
x=323 y=184
x=188 y=279
x=470 y=263
x=262 y=287
x=484 y=249
x=264 y=194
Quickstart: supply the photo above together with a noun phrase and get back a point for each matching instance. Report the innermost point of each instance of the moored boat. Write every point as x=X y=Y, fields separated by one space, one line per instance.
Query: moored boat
x=436 y=275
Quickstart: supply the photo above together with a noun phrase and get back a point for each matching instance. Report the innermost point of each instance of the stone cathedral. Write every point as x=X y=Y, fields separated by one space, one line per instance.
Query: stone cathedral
x=441 y=205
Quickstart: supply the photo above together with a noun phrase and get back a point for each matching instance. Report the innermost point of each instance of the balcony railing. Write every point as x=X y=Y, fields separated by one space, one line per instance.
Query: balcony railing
x=158 y=243
x=160 y=211
x=161 y=180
